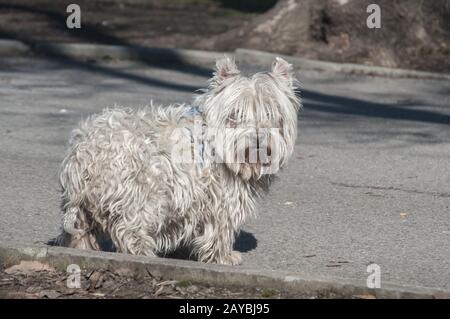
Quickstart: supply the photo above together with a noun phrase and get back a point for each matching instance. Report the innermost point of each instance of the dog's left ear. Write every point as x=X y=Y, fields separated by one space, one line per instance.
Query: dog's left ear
x=282 y=70
x=225 y=69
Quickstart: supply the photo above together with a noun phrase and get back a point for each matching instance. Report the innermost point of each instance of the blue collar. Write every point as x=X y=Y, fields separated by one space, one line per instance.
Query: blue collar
x=192 y=112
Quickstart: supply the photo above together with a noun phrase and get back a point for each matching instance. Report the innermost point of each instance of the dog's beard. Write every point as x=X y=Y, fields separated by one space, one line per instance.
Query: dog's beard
x=248 y=152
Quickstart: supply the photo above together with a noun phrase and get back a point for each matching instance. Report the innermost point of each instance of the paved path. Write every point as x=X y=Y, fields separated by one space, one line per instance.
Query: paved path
x=369 y=182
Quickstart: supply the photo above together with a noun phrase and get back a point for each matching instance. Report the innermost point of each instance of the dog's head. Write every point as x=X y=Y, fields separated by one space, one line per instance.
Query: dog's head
x=252 y=119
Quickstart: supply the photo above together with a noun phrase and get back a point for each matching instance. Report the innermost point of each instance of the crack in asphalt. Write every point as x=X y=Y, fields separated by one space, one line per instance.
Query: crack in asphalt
x=391 y=188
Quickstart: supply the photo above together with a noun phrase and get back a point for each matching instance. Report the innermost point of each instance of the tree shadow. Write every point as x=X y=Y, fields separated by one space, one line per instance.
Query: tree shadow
x=91 y=66
x=249 y=6
x=92 y=34
x=339 y=105
x=167 y=59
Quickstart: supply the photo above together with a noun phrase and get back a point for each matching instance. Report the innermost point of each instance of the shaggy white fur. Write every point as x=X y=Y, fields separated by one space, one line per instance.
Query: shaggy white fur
x=124 y=179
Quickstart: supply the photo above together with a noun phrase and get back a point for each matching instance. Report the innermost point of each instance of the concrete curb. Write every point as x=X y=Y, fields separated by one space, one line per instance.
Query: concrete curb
x=201 y=58
x=13 y=48
x=156 y=55
x=195 y=272
x=102 y=51
x=264 y=58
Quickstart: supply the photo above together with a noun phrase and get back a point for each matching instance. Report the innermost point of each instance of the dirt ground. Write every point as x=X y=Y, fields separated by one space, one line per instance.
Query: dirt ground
x=35 y=280
x=415 y=34
x=156 y=23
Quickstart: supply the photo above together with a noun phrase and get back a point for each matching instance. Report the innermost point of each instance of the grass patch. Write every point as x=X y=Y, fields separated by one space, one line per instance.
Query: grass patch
x=268 y=293
x=184 y=284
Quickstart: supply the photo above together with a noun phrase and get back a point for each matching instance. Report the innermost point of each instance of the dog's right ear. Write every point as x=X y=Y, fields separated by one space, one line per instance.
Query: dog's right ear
x=225 y=68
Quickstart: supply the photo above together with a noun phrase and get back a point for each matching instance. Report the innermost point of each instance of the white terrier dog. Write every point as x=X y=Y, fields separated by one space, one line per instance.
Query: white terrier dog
x=125 y=178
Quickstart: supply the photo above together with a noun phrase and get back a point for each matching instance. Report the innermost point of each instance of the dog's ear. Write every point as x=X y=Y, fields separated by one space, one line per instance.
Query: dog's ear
x=282 y=70
x=225 y=69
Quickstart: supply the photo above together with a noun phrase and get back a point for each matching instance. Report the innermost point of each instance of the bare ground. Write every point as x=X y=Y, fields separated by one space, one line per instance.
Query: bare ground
x=415 y=34
x=34 y=280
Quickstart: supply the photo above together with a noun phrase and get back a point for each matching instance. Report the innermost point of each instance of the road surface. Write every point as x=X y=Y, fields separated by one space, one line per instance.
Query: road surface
x=369 y=181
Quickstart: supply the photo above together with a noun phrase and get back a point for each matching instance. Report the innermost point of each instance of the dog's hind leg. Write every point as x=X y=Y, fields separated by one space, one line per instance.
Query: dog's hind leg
x=136 y=217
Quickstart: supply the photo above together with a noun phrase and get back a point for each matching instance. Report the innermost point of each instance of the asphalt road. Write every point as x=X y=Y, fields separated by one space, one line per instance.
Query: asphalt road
x=369 y=181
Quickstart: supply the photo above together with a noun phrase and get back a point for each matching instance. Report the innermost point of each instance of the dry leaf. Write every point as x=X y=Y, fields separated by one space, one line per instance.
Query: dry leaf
x=50 y=294
x=159 y=291
x=28 y=266
x=167 y=282
x=365 y=296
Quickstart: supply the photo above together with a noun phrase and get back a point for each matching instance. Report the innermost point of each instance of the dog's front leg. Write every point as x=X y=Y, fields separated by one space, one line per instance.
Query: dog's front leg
x=215 y=244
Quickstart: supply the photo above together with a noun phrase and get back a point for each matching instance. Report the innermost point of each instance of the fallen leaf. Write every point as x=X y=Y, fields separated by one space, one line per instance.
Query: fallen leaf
x=27 y=267
x=167 y=282
x=50 y=294
x=365 y=296
x=96 y=280
x=159 y=291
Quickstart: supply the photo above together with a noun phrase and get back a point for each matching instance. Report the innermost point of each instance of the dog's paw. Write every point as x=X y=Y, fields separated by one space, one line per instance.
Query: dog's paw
x=235 y=258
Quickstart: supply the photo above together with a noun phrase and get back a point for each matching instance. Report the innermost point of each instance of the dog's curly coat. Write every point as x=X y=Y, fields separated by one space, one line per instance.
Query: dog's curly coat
x=121 y=182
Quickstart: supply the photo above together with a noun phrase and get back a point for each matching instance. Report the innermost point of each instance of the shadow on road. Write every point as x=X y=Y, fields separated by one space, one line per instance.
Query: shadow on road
x=349 y=106
x=92 y=34
x=319 y=102
x=245 y=242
